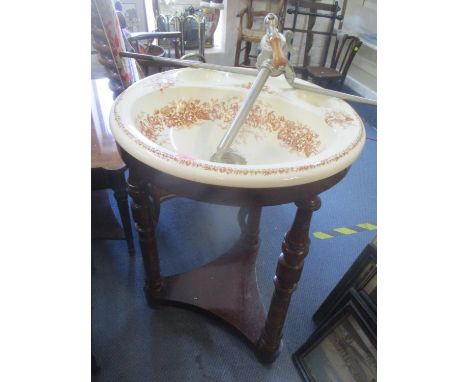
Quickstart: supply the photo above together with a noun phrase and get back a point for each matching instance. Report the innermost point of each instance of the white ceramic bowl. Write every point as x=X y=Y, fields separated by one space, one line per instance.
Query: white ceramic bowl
x=173 y=122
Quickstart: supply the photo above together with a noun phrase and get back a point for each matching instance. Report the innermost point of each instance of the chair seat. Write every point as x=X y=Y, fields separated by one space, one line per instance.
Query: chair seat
x=323 y=72
x=252 y=35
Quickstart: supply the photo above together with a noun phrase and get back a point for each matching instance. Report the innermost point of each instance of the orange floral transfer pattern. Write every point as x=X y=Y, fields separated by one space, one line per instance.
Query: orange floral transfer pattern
x=266 y=88
x=337 y=119
x=221 y=168
x=160 y=83
x=184 y=114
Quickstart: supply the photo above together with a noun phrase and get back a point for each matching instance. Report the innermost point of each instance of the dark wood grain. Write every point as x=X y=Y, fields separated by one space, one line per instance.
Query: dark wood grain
x=288 y=272
x=232 y=196
x=227 y=287
x=145 y=212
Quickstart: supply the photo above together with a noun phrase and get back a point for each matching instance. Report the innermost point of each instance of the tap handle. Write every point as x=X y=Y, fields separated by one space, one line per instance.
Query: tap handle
x=279 y=59
x=274 y=38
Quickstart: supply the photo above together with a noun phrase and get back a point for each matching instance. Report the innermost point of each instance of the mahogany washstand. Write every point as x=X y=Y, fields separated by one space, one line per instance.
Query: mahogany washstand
x=227 y=287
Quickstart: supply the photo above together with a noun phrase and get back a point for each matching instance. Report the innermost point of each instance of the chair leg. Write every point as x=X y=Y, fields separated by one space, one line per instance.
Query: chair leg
x=248 y=46
x=342 y=82
x=238 y=51
x=176 y=49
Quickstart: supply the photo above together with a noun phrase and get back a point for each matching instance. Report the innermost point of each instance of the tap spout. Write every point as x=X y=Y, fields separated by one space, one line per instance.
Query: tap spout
x=270 y=62
x=241 y=116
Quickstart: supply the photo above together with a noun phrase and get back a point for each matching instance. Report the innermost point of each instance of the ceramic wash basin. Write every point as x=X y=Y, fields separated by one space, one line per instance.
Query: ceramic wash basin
x=173 y=122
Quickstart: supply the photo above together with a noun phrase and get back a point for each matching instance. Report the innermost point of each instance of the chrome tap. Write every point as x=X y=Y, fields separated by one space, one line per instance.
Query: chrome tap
x=270 y=62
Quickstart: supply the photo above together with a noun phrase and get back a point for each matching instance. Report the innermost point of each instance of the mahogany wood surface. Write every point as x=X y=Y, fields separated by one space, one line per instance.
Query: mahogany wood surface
x=231 y=196
x=288 y=272
x=145 y=212
x=227 y=287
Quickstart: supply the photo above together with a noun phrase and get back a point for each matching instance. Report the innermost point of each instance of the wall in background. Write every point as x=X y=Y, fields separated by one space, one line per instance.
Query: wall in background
x=150 y=20
x=361 y=20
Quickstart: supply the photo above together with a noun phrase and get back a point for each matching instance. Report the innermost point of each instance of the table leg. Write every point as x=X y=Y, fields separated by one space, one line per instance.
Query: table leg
x=146 y=214
x=249 y=221
x=288 y=272
x=120 y=195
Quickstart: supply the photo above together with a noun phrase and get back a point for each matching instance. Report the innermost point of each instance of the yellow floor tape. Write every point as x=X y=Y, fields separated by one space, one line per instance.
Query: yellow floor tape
x=344 y=231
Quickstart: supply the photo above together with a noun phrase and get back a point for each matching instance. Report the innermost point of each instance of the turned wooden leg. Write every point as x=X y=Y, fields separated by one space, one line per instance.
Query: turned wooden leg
x=249 y=222
x=145 y=212
x=288 y=272
x=120 y=195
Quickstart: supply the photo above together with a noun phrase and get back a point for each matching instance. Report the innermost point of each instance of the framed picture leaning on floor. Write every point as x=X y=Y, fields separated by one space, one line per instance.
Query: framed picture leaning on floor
x=344 y=349
x=362 y=276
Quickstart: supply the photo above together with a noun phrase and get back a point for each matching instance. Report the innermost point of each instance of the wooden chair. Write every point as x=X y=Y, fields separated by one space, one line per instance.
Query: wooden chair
x=153 y=49
x=345 y=48
x=254 y=29
x=314 y=31
x=107 y=169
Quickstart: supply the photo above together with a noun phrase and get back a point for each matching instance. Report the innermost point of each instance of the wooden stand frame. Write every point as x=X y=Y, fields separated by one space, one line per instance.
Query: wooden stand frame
x=227 y=287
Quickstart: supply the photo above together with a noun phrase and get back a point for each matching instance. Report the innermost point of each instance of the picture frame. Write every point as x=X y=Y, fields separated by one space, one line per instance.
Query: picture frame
x=343 y=349
x=367 y=312
x=364 y=304
x=369 y=291
x=361 y=276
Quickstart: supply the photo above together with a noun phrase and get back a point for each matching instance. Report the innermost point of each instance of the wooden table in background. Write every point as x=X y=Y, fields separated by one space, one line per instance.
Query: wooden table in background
x=107 y=170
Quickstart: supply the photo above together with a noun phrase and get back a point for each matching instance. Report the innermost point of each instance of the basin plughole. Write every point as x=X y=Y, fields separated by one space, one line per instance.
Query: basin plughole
x=173 y=122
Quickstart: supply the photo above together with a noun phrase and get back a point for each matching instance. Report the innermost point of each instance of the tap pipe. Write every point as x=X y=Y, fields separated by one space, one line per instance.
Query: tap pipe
x=242 y=114
x=272 y=42
x=246 y=71
x=190 y=64
x=334 y=93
